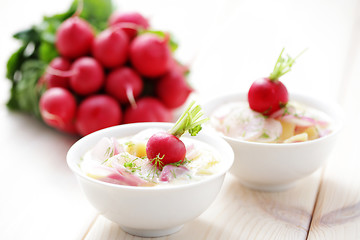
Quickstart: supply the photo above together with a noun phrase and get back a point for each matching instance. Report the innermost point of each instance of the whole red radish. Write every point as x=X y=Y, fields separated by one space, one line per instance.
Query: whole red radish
x=135 y=18
x=165 y=147
x=124 y=84
x=150 y=55
x=57 y=80
x=97 y=112
x=87 y=76
x=147 y=109
x=111 y=47
x=268 y=95
x=173 y=89
x=74 y=38
x=57 y=107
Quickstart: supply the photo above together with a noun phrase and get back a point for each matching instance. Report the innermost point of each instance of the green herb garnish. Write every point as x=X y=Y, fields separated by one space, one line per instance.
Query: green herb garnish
x=265 y=135
x=189 y=121
x=283 y=65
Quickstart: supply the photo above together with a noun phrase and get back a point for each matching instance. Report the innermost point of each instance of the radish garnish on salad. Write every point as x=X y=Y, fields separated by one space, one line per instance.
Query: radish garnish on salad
x=155 y=157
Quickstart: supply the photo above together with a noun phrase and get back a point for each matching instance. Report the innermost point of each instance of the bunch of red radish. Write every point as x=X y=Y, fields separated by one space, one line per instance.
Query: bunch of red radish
x=122 y=75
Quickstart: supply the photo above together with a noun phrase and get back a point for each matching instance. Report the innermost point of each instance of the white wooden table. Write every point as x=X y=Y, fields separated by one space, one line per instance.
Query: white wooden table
x=229 y=44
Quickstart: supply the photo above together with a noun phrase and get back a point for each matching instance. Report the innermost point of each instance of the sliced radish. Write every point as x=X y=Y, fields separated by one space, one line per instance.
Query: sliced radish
x=271 y=132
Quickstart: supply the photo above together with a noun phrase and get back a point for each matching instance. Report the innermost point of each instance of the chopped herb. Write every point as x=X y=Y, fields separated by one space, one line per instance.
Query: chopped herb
x=244 y=134
x=105 y=161
x=155 y=162
x=129 y=164
x=107 y=151
x=173 y=173
x=227 y=128
x=265 y=135
x=132 y=166
x=130 y=144
x=179 y=163
x=286 y=111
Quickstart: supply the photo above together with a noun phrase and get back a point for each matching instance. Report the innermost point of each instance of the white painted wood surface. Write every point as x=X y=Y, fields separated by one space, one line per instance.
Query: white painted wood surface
x=229 y=44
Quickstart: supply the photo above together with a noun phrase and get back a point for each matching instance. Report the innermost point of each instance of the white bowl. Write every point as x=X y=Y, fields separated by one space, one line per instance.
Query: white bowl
x=149 y=211
x=278 y=166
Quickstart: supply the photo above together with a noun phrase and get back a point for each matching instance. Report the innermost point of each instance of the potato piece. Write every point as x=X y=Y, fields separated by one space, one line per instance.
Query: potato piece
x=312 y=133
x=302 y=137
x=136 y=149
x=288 y=129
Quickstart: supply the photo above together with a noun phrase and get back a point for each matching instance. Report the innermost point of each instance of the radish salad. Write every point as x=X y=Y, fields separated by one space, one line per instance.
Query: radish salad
x=294 y=123
x=124 y=161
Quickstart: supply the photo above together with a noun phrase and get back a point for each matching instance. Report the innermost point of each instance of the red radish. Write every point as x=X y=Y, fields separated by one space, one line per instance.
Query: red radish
x=87 y=76
x=268 y=95
x=150 y=55
x=124 y=84
x=172 y=89
x=177 y=66
x=57 y=107
x=54 y=80
x=110 y=47
x=97 y=112
x=135 y=18
x=148 y=109
x=74 y=38
x=165 y=147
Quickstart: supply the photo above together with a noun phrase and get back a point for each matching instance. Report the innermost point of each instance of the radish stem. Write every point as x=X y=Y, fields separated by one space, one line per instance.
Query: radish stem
x=59 y=73
x=130 y=96
x=79 y=8
x=189 y=121
x=283 y=65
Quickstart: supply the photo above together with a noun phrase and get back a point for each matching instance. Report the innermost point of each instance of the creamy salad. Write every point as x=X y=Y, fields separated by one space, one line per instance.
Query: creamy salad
x=294 y=123
x=123 y=161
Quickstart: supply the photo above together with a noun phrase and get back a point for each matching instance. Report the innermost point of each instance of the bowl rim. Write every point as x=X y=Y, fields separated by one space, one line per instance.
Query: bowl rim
x=334 y=106
x=107 y=131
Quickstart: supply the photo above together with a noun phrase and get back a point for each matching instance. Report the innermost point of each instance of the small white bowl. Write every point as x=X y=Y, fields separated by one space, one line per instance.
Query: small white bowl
x=278 y=166
x=149 y=211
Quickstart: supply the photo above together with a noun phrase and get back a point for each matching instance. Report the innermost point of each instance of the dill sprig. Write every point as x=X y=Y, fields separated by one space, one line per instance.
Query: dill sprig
x=156 y=164
x=131 y=166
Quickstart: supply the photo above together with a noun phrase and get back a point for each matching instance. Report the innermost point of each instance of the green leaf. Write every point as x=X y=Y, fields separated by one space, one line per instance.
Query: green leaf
x=14 y=63
x=25 y=94
x=96 y=12
x=189 y=121
x=194 y=131
x=47 y=52
x=27 y=64
x=27 y=36
x=172 y=43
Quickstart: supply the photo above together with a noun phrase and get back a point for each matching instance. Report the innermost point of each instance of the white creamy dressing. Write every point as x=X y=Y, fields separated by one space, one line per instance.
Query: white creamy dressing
x=128 y=155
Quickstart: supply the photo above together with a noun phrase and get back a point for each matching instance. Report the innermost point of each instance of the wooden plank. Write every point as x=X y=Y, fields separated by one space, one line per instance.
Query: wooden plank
x=240 y=213
x=337 y=213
